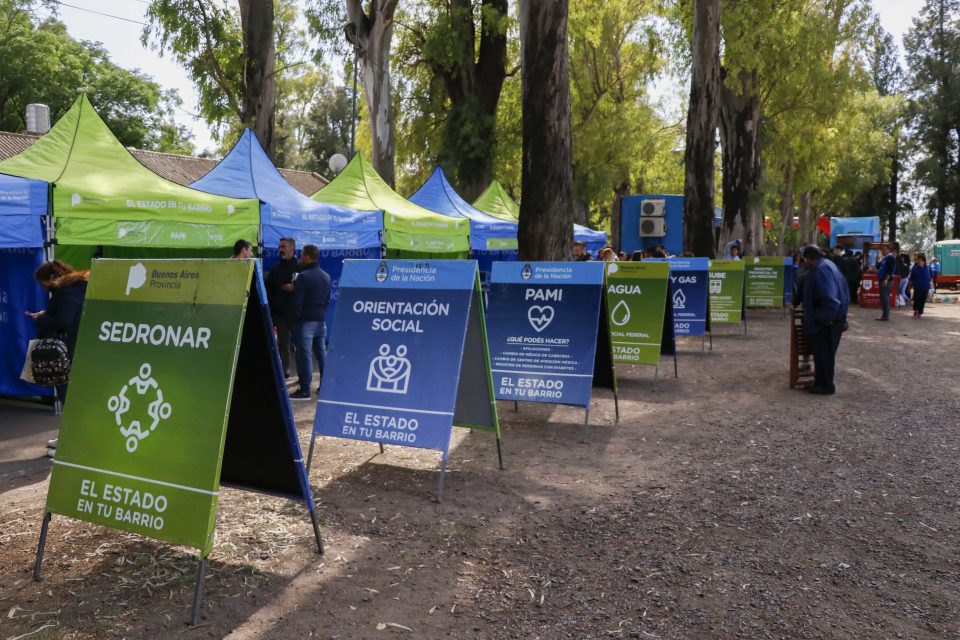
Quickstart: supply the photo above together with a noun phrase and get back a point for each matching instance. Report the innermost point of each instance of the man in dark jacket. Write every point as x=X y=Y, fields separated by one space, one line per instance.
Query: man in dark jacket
x=850 y=267
x=885 y=272
x=280 y=295
x=826 y=300
x=311 y=295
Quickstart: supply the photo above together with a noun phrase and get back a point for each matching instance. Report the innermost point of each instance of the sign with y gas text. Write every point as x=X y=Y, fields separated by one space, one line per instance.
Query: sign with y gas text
x=542 y=323
x=763 y=281
x=688 y=279
x=410 y=337
x=143 y=428
x=636 y=304
x=726 y=291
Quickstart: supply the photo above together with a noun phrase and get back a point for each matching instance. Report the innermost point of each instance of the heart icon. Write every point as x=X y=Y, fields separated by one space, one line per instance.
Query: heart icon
x=540 y=317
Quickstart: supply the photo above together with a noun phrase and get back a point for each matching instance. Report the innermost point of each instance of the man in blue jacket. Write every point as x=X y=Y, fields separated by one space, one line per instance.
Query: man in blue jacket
x=826 y=298
x=885 y=272
x=311 y=295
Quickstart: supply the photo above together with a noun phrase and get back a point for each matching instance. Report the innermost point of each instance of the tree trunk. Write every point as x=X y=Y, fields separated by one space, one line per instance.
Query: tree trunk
x=940 y=193
x=259 y=72
x=805 y=224
x=376 y=34
x=546 y=211
x=473 y=85
x=894 y=204
x=956 y=202
x=702 y=113
x=786 y=207
x=616 y=211
x=740 y=139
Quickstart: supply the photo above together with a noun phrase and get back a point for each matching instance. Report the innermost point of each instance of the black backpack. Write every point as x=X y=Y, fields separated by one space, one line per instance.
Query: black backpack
x=50 y=362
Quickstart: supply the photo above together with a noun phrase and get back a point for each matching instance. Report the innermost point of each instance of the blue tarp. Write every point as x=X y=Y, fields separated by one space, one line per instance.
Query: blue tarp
x=247 y=172
x=595 y=240
x=438 y=195
x=19 y=292
x=22 y=202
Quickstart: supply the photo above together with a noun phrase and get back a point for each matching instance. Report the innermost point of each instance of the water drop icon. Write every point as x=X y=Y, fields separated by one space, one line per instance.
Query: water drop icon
x=620 y=314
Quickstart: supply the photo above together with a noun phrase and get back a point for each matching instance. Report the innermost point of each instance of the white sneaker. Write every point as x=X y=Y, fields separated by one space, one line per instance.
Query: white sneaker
x=52 y=444
x=51 y=452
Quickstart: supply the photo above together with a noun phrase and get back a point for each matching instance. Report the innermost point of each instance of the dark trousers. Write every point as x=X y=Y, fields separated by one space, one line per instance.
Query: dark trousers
x=885 y=298
x=854 y=288
x=825 y=344
x=919 y=299
x=283 y=340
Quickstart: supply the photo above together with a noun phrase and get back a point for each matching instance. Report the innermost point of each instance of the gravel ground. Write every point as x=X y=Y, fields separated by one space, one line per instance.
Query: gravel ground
x=723 y=505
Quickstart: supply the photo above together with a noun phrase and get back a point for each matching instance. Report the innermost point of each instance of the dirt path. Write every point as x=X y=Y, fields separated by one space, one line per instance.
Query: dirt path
x=722 y=506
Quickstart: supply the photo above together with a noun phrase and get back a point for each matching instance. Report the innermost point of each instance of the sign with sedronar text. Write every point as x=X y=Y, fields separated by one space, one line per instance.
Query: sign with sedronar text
x=144 y=423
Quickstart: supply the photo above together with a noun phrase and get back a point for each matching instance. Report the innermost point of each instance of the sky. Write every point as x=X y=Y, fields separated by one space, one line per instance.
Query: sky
x=120 y=35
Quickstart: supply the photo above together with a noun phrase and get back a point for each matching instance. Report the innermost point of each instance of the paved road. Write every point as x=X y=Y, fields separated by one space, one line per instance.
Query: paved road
x=25 y=428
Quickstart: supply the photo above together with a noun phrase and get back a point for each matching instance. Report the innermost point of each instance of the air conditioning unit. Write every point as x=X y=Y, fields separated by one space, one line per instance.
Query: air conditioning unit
x=653 y=227
x=653 y=208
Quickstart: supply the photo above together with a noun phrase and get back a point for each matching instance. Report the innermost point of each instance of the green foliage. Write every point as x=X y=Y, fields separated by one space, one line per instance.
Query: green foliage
x=933 y=54
x=40 y=62
x=204 y=37
x=620 y=142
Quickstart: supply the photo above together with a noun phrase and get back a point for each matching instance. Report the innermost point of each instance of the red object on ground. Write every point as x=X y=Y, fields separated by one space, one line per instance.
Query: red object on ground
x=870 y=291
x=823 y=224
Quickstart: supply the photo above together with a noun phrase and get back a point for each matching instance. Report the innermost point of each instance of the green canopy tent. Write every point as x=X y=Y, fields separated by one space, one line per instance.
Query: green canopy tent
x=104 y=198
x=409 y=230
x=498 y=203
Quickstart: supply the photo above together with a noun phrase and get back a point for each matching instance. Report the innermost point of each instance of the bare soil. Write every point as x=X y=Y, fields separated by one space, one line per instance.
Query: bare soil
x=723 y=505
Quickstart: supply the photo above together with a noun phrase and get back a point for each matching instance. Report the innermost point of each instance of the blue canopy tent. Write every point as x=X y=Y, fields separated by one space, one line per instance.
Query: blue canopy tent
x=491 y=239
x=595 y=240
x=338 y=232
x=23 y=205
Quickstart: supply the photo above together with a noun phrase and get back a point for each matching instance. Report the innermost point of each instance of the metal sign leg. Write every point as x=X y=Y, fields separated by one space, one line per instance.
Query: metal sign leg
x=38 y=562
x=198 y=593
x=313 y=441
x=443 y=473
x=381 y=447
x=656 y=373
x=499 y=453
x=586 y=423
x=316 y=530
x=675 y=362
x=516 y=406
x=616 y=405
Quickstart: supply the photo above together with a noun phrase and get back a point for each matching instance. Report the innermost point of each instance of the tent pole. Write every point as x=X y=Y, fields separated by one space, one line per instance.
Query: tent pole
x=499 y=453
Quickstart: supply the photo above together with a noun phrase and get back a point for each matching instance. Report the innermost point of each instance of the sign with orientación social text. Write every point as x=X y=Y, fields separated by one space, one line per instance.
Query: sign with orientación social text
x=410 y=359
x=637 y=295
x=155 y=393
x=547 y=341
x=726 y=291
x=763 y=281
